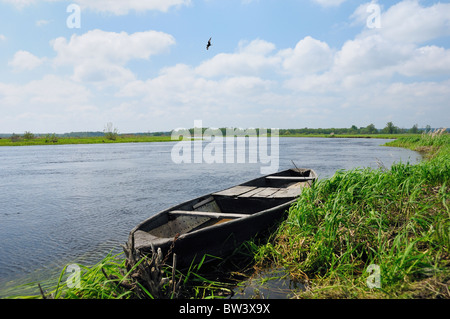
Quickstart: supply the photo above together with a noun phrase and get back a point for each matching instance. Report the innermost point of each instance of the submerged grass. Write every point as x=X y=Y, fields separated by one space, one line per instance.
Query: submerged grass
x=397 y=219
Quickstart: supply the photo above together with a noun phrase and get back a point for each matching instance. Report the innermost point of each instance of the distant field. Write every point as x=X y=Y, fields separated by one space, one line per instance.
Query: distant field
x=384 y=136
x=5 y=141
x=84 y=140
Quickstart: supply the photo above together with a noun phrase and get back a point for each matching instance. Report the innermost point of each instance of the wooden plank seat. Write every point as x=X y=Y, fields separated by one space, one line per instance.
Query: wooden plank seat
x=260 y=192
x=291 y=178
x=235 y=191
x=206 y=214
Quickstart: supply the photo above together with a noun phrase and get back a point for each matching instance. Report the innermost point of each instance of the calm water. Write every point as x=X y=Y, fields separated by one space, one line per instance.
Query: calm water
x=76 y=203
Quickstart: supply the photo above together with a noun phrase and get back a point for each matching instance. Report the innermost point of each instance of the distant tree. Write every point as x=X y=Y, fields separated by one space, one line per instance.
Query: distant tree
x=414 y=129
x=371 y=129
x=110 y=131
x=51 y=138
x=390 y=128
x=428 y=128
x=15 y=138
x=28 y=135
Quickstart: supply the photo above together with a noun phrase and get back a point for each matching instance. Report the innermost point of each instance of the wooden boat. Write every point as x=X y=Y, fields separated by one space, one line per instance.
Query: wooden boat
x=217 y=223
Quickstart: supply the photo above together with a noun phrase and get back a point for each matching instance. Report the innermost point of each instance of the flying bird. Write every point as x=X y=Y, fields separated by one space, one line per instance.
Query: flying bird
x=209 y=44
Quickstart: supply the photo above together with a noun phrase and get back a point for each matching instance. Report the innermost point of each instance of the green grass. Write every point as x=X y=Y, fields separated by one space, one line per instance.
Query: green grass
x=361 y=135
x=398 y=219
x=50 y=140
x=85 y=140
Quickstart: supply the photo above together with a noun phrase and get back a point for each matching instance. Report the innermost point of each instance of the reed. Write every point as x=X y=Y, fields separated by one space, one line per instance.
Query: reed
x=398 y=219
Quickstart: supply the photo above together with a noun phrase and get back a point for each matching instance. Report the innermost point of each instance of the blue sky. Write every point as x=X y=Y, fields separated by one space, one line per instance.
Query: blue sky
x=143 y=65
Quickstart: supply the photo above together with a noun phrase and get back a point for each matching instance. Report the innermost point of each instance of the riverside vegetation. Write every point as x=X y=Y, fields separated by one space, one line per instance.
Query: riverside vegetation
x=111 y=135
x=397 y=219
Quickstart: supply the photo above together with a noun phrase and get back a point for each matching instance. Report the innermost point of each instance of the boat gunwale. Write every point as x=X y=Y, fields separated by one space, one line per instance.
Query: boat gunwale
x=218 y=226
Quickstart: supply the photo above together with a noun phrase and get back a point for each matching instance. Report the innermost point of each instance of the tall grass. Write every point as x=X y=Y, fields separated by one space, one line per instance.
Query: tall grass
x=398 y=219
x=430 y=143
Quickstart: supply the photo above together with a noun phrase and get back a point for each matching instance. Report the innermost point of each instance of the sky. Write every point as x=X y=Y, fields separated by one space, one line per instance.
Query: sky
x=69 y=66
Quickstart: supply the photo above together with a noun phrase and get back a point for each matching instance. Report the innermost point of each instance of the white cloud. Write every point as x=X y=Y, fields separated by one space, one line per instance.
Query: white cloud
x=51 y=103
x=25 y=61
x=427 y=61
x=118 y=7
x=2 y=37
x=20 y=3
x=40 y=23
x=251 y=59
x=308 y=56
x=329 y=3
x=50 y=91
x=180 y=93
x=376 y=55
x=409 y=21
x=100 y=57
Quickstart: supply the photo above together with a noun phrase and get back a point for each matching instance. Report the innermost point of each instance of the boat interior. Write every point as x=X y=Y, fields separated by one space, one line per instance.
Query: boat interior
x=230 y=204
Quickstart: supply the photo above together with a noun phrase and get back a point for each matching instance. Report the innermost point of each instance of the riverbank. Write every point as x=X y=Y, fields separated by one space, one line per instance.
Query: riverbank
x=368 y=233
x=359 y=135
x=131 y=138
x=51 y=140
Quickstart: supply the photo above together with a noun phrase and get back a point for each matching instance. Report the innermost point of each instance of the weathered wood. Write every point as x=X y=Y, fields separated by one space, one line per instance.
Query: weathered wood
x=203 y=202
x=291 y=178
x=206 y=214
x=252 y=192
x=291 y=192
x=266 y=192
x=235 y=191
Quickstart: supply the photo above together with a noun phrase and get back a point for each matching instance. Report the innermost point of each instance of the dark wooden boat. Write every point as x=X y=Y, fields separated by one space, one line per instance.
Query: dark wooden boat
x=217 y=223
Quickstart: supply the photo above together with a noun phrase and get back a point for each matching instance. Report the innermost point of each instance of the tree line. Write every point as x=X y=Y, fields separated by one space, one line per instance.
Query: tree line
x=111 y=132
x=390 y=128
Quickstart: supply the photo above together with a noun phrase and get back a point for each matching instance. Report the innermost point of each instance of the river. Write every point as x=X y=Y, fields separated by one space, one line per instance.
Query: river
x=64 y=204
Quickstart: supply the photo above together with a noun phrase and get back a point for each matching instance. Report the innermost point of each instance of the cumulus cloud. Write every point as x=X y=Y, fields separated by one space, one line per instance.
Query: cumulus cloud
x=376 y=55
x=410 y=22
x=329 y=3
x=100 y=57
x=51 y=91
x=309 y=56
x=407 y=21
x=118 y=7
x=426 y=61
x=251 y=59
x=24 y=61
